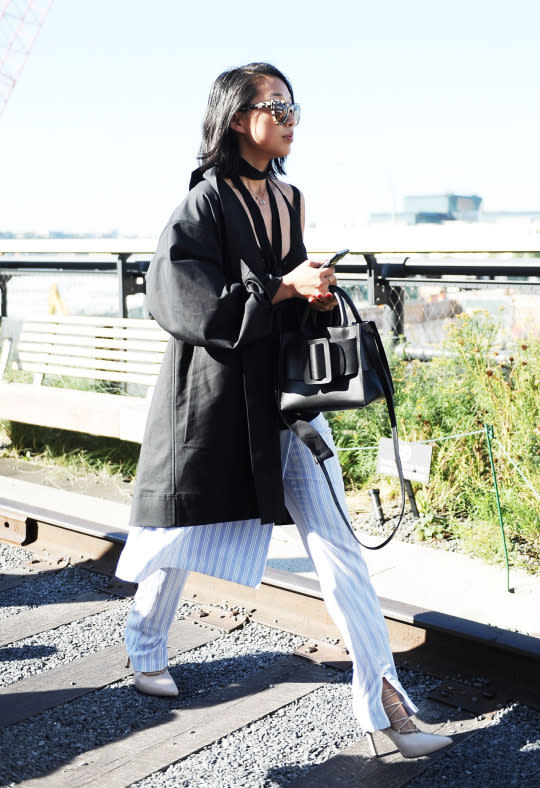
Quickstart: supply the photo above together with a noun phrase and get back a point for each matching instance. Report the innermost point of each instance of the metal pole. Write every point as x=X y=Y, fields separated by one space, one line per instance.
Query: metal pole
x=3 y=294
x=122 y=282
x=489 y=435
x=394 y=313
x=412 y=500
x=376 y=504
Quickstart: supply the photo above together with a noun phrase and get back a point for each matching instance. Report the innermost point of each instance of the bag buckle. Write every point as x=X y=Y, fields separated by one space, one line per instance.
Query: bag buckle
x=318 y=368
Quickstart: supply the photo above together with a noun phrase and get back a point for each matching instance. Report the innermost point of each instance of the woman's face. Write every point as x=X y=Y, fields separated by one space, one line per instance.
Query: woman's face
x=259 y=137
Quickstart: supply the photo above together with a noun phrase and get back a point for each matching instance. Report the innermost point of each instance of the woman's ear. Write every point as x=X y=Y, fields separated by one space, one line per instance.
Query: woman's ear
x=237 y=122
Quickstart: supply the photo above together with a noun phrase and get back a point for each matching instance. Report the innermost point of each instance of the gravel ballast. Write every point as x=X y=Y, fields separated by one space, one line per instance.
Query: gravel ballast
x=268 y=753
x=51 y=587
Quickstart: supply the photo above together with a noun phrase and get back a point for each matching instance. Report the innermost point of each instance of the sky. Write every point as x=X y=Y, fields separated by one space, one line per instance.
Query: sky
x=398 y=98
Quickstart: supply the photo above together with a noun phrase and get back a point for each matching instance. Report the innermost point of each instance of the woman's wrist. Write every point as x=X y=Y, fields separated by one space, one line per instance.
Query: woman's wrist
x=284 y=291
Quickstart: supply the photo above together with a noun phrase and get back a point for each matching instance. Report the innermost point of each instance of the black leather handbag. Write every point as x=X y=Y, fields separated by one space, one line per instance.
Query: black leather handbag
x=330 y=368
x=339 y=367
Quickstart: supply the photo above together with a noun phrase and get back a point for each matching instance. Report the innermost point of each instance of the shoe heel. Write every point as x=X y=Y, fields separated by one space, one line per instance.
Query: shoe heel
x=371 y=745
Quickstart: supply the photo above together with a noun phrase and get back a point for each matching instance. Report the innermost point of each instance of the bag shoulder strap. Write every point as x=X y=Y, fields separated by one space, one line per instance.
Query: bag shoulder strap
x=321 y=451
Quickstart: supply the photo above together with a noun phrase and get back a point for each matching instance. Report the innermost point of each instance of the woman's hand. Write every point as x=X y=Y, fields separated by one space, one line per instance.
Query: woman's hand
x=310 y=281
x=324 y=304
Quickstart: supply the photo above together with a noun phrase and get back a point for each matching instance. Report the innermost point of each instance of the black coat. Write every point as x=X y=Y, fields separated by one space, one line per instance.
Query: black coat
x=211 y=449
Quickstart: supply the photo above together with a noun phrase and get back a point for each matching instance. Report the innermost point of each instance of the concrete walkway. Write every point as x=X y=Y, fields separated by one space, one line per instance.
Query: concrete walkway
x=434 y=579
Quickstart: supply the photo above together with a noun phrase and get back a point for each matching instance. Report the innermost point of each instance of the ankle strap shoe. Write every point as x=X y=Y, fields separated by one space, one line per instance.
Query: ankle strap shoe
x=411 y=744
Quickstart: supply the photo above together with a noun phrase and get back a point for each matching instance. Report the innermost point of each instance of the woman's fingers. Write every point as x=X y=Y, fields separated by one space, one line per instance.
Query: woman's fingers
x=320 y=297
x=327 y=277
x=310 y=280
x=323 y=304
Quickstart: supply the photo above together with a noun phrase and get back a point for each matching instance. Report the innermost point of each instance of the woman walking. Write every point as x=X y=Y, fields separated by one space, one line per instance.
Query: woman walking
x=218 y=468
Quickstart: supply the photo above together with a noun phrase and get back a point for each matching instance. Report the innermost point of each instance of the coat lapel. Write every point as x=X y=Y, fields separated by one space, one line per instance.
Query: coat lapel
x=257 y=368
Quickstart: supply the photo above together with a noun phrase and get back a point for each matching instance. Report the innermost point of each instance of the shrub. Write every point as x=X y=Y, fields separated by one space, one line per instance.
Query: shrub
x=469 y=385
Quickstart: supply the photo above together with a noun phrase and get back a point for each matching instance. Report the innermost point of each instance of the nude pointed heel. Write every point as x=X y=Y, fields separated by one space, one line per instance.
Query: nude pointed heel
x=411 y=743
x=414 y=744
x=159 y=683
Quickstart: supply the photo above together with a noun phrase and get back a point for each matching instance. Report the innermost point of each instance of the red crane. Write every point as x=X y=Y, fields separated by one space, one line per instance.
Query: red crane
x=20 y=23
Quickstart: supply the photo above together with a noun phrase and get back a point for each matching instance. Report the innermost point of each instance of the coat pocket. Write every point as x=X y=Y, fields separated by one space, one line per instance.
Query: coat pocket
x=214 y=398
x=192 y=421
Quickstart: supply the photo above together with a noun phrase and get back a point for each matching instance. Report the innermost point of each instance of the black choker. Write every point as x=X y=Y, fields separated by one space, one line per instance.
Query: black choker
x=249 y=171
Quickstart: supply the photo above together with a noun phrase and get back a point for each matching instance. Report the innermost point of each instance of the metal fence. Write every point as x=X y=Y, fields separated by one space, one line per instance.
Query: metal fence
x=411 y=293
x=415 y=300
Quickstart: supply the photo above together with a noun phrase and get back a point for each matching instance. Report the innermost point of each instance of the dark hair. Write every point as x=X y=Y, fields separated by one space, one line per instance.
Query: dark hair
x=232 y=90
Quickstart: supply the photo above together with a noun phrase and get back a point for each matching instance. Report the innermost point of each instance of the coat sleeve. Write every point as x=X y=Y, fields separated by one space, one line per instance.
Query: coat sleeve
x=188 y=292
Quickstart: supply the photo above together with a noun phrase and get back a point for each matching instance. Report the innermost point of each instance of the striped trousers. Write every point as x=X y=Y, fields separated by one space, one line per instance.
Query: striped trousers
x=343 y=577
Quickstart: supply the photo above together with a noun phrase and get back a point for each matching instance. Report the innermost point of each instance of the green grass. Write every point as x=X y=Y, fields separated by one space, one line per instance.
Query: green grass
x=74 y=450
x=468 y=386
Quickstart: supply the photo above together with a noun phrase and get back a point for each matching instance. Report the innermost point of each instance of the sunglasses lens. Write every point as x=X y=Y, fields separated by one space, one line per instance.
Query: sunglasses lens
x=280 y=111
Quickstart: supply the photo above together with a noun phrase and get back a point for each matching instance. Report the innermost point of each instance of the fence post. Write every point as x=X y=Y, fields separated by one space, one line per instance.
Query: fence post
x=381 y=292
x=489 y=435
x=122 y=284
x=394 y=313
x=4 y=279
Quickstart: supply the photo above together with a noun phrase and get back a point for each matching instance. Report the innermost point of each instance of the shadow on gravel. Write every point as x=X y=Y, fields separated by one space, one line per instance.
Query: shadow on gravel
x=61 y=730
x=16 y=653
x=49 y=586
x=11 y=580
x=461 y=765
x=348 y=771
x=503 y=752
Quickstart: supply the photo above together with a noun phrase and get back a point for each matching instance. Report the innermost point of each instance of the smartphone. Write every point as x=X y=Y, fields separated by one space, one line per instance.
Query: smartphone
x=335 y=258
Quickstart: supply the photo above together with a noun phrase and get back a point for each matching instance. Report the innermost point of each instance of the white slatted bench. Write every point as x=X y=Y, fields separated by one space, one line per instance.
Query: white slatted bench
x=125 y=351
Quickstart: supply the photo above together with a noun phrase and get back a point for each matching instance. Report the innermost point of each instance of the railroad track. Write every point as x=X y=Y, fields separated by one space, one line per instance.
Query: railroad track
x=473 y=672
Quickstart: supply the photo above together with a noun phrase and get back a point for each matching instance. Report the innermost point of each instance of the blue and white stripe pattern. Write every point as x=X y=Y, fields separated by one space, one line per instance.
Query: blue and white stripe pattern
x=160 y=560
x=234 y=551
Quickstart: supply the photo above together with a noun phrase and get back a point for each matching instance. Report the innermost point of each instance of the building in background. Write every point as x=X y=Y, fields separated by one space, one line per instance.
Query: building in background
x=440 y=208
x=435 y=209
x=444 y=207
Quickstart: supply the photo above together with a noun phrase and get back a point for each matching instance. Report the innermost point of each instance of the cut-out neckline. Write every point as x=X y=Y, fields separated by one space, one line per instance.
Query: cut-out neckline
x=254 y=213
x=272 y=252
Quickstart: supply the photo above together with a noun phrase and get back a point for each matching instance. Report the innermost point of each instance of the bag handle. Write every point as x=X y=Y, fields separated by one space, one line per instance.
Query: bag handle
x=343 y=298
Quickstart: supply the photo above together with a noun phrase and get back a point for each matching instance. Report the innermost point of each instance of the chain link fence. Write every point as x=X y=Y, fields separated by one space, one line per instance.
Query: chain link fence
x=420 y=310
